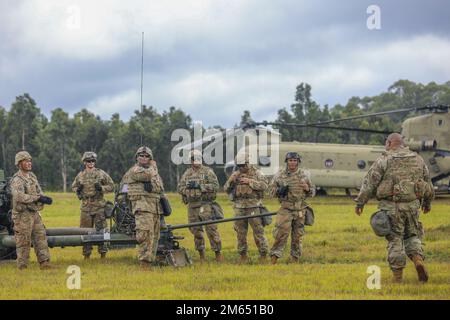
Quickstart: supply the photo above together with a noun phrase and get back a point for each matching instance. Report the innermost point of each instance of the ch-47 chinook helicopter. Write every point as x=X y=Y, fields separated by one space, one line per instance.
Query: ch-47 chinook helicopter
x=344 y=165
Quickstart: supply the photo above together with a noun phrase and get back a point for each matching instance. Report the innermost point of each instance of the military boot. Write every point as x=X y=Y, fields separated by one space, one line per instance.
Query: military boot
x=46 y=265
x=219 y=256
x=145 y=265
x=244 y=258
x=86 y=256
x=202 y=255
x=22 y=267
x=102 y=255
x=293 y=259
x=274 y=259
x=262 y=258
x=397 y=275
x=420 y=268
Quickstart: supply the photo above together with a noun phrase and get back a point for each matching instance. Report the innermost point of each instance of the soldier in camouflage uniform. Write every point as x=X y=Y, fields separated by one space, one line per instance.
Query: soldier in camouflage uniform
x=28 y=200
x=144 y=191
x=90 y=185
x=198 y=187
x=246 y=188
x=400 y=180
x=291 y=186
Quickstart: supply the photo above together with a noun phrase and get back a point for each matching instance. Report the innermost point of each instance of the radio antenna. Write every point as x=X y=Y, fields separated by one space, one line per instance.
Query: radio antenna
x=142 y=78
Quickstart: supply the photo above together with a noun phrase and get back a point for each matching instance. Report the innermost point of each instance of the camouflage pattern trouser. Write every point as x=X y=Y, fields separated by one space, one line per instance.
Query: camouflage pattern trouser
x=203 y=212
x=241 y=228
x=406 y=233
x=93 y=218
x=147 y=235
x=292 y=222
x=28 y=230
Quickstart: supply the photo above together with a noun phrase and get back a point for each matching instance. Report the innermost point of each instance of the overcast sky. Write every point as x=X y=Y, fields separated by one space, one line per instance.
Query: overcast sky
x=214 y=58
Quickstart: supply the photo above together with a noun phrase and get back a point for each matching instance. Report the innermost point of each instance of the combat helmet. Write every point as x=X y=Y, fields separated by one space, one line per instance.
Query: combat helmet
x=89 y=155
x=242 y=158
x=196 y=155
x=20 y=156
x=146 y=150
x=380 y=223
x=292 y=155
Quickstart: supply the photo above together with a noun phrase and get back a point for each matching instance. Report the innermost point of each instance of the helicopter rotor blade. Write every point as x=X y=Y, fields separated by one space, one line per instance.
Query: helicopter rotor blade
x=435 y=108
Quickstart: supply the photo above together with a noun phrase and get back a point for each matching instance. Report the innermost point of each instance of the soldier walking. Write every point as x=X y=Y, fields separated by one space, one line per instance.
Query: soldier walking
x=144 y=191
x=246 y=188
x=198 y=187
x=90 y=186
x=291 y=186
x=28 y=200
x=400 y=180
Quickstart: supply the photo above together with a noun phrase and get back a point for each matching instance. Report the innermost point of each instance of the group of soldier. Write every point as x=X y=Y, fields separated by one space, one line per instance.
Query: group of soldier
x=399 y=179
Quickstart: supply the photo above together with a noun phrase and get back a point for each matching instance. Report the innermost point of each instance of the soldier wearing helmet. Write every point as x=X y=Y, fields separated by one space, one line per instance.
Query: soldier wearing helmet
x=28 y=200
x=145 y=188
x=90 y=186
x=291 y=185
x=198 y=187
x=246 y=188
x=400 y=180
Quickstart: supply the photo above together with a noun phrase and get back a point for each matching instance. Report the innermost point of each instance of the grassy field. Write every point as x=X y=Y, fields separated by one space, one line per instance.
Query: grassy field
x=338 y=249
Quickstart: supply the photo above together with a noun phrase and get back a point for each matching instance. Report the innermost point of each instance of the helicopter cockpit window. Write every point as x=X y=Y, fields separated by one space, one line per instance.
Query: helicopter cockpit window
x=361 y=164
x=440 y=122
x=264 y=161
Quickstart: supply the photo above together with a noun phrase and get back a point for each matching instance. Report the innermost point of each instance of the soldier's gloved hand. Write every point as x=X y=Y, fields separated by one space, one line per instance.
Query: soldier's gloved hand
x=45 y=200
x=80 y=188
x=148 y=186
x=283 y=191
x=98 y=186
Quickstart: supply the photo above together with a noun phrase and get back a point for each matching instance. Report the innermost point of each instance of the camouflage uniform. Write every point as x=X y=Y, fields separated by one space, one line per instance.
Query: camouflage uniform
x=199 y=204
x=400 y=180
x=290 y=218
x=247 y=201
x=146 y=208
x=28 y=226
x=93 y=202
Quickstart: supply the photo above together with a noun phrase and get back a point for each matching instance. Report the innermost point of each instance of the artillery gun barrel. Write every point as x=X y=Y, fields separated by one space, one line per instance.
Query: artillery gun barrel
x=207 y=222
x=70 y=231
x=76 y=240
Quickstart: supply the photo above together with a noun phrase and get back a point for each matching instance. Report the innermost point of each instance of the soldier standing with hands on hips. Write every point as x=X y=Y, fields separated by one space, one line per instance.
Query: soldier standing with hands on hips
x=90 y=186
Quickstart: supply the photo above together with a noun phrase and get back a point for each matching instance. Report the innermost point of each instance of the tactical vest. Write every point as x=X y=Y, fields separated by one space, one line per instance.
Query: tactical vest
x=31 y=187
x=195 y=195
x=244 y=191
x=136 y=188
x=88 y=180
x=403 y=178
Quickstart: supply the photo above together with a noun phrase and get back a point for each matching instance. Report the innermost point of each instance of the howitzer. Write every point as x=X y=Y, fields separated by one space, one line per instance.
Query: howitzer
x=121 y=235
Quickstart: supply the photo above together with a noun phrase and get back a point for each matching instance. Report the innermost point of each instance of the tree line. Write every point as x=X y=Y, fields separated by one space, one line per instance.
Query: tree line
x=58 y=143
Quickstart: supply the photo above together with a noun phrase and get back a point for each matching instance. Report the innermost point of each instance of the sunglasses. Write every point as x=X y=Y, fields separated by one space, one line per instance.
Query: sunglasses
x=90 y=161
x=144 y=156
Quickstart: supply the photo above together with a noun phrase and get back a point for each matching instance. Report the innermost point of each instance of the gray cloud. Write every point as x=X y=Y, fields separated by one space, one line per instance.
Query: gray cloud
x=215 y=58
